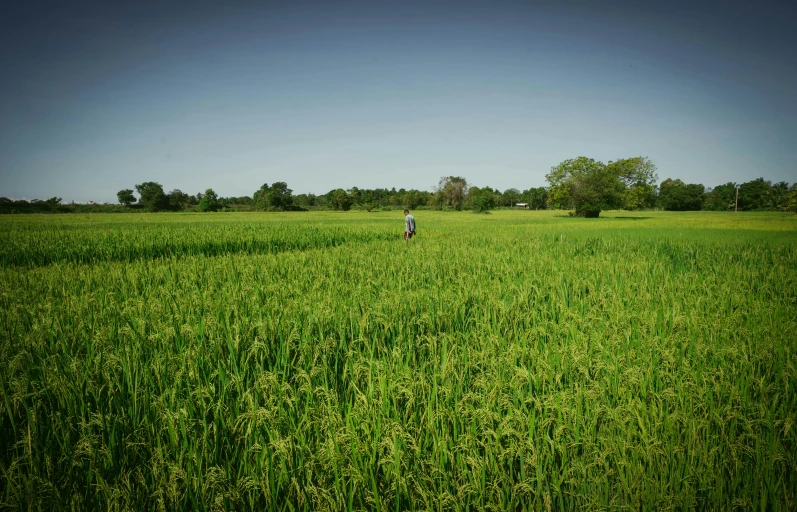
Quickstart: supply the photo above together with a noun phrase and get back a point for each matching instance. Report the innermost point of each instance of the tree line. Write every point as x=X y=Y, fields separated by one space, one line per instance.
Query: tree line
x=589 y=186
x=582 y=184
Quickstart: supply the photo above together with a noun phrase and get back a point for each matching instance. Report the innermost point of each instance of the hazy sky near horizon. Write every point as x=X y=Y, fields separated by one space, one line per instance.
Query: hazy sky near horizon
x=98 y=96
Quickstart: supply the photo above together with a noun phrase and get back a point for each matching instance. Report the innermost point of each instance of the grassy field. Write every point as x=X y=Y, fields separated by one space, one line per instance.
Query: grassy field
x=315 y=361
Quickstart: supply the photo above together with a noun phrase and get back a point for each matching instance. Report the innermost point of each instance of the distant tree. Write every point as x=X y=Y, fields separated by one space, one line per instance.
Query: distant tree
x=53 y=201
x=480 y=200
x=356 y=195
x=276 y=197
x=755 y=195
x=589 y=186
x=537 y=198
x=638 y=175
x=234 y=201
x=510 y=197
x=412 y=199
x=260 y=199
x=151 y=196
x=586 y=185
x=209 y=201
x=496 y=195
x=791 y=199
x=126 y=197
x=779 y=193
x=340 y=200
x=304 y=200
x=394 y=198
x=639 y=196
x=178 y=200
x=675 y=195
x=454 y=190
x=279 y=196
x=720 y=198
x=437 y=199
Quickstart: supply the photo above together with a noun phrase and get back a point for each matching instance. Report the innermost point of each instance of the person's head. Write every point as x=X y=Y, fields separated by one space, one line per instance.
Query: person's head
x=406 y=212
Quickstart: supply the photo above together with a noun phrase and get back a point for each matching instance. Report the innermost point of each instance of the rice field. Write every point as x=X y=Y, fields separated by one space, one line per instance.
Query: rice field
x=316 y=361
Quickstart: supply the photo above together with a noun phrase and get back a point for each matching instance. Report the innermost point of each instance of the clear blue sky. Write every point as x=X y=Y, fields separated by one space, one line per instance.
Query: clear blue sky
x=99 y=96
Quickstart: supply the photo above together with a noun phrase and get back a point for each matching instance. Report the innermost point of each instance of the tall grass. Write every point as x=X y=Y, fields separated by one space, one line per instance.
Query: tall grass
x=512 y=361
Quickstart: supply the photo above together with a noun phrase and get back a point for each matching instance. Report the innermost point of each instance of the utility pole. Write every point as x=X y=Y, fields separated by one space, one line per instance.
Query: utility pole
x=736 y=208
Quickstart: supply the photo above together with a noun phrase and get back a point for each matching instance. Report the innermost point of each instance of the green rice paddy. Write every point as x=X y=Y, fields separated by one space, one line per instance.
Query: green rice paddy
x=316 y=361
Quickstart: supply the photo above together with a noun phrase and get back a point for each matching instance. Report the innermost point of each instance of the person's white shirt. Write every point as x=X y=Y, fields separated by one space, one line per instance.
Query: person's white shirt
x=409 y=223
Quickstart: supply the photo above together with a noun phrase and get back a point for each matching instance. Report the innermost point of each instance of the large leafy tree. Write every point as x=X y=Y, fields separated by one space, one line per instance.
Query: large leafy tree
x=280 y=196
x=481 y=200
x=510 y=197
x=178 y=200
x=638 y=175
x=151 y=196
x=572 y=181
x=720 y=198
x=453 y=191
x=589 y=186
x=304 y=200
x=276 y=197
x=536 y=197
x=339 y=199
x=209 y=201
x=755 y=195
x=675 y=195
x=260 y=199
x=126 y=197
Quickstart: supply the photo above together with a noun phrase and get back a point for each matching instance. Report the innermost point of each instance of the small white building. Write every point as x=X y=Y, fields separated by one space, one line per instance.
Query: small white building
x=522 y=205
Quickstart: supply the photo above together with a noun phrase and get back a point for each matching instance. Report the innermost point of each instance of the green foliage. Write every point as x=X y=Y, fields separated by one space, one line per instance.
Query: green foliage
x=126 y=197
x=779 y=195
x=280 y=196
x=179 y=200
x=277 y=197
x=209 y=201
x=635 y=171
x=152 y=197
x=675 y=195
x=260 y=199
x=639 y=196
x=589 y=186
x=537 y=198
x=484 y=203
x=340 y=200
x=452 y=192
x=791 y=199
x=720 y=198
x=584 y=185
x=755 y=195
x=510 y=197
x=515 y=361
x=412 y=199
x=481 y=200
x=304 y=200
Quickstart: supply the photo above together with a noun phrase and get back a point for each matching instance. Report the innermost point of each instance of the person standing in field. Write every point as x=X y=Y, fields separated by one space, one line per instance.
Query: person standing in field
x=409 y=225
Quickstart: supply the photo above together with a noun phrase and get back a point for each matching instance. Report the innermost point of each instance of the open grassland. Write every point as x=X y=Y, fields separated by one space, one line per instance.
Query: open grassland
x=316 y=361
